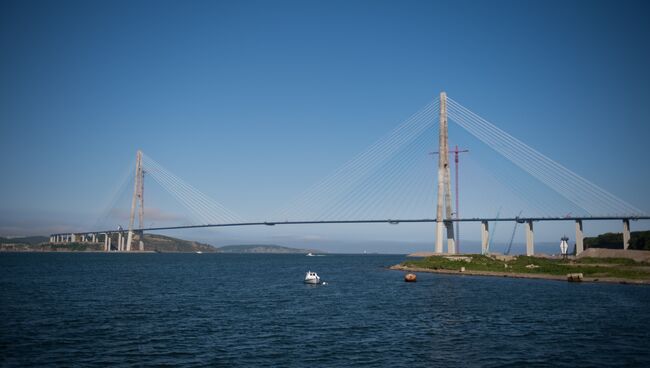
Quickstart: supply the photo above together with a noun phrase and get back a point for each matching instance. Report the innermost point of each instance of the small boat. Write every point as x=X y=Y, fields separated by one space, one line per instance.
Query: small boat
x=199 y=252
x=312 y=278
x=309 y=254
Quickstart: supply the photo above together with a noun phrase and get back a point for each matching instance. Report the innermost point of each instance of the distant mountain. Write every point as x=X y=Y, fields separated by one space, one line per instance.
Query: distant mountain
x=263 y=248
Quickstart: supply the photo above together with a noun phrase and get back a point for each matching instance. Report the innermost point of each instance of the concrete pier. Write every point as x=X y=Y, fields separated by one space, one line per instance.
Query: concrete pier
x=580 y=246
x=530 y=241
x=141 y=241
x=626 y=233
x=485 y=237
x=94 y=238
x=451 y=242
x=129 y=239
x=439 y=232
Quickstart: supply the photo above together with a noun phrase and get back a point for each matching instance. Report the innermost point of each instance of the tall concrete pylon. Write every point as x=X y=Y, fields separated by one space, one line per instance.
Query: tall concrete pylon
x=444 y=209
x=138 y=200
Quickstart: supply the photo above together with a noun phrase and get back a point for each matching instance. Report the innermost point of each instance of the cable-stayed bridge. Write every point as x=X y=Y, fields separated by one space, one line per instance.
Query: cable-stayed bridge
x=393 y=181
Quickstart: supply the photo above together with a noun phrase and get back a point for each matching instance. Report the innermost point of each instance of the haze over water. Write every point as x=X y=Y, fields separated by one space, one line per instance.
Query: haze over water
x=254 y=310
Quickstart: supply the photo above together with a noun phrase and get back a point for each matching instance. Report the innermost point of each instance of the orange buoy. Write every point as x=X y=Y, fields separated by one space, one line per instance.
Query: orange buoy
x=409 y=277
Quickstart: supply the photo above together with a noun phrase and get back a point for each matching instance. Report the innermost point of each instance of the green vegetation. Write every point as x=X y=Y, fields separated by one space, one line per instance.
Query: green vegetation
x=161 y=243
x=639 y=240
x=590 y=267
x=73 y=247
x=47 y=247
x=28 y=240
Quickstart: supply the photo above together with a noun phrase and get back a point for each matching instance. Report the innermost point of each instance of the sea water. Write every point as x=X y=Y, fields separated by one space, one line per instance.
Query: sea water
x=78 y=309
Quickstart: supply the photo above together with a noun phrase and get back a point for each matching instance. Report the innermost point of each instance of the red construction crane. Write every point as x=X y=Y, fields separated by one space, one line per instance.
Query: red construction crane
x=456 y=152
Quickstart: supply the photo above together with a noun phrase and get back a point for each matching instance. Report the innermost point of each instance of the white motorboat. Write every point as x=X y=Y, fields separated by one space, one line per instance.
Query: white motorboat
x=312 y=278
x=309 y=254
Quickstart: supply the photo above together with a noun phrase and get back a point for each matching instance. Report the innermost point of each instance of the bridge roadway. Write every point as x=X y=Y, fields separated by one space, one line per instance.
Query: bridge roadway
x=528 y=221
x=520 y=220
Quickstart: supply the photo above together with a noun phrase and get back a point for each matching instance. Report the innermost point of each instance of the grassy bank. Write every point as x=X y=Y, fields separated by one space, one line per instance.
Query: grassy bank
x=590 y=267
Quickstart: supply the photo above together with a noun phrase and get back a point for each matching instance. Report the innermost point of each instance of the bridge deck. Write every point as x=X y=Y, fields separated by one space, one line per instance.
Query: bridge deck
x=387 y=221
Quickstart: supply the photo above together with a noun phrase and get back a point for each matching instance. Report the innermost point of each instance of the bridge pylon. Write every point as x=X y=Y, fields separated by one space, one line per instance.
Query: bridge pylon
x=444 y=208
x=137 y=201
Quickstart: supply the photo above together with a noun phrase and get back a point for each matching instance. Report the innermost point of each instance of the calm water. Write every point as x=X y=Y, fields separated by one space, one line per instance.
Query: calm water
x=254 y=310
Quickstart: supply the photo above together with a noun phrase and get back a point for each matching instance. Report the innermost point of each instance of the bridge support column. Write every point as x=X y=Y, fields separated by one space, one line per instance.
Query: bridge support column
x=451 y=241
x=443 y=208
x=73 y=238
x=94 y=238
x=129 y=239
x=119 y=242
x=439 y=230
x=106 y=248
x=485 y=237
x=626 y=233
x=580 y=247
x=530 y=241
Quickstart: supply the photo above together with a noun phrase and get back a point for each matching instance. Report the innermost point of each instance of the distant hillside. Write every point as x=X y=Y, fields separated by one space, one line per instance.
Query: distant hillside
x=161 y=243
x=263 y=248
x=28 y=240
x=639 y=240
x=152 y=242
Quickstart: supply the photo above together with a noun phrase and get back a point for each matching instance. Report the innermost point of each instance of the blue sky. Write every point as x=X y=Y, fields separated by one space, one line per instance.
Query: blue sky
x=255 y=101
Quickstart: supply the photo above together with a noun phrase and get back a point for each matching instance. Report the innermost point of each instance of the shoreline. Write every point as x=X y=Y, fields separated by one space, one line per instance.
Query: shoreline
x=609 y=280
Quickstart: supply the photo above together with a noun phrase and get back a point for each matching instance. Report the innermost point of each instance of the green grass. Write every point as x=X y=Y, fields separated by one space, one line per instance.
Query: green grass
x=590 y=267
x=619 y=261
x=70 y=246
